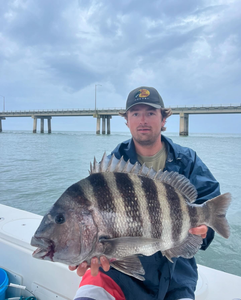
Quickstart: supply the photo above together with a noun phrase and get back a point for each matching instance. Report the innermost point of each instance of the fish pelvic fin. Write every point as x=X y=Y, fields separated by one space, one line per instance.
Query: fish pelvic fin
x=130 y=265
x=217 y=208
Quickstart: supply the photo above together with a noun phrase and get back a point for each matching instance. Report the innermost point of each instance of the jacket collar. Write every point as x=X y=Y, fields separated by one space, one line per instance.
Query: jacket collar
x=172 y=150
x=131 y=151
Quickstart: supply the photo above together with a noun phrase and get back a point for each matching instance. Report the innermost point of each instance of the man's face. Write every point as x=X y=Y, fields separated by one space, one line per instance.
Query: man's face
x=145 y=123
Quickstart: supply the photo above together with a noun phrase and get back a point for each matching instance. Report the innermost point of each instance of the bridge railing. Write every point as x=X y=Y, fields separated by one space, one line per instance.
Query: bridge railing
x=115 y=109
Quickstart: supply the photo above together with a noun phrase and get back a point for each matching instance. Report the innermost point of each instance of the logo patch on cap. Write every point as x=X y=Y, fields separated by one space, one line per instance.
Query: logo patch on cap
x=142 y=93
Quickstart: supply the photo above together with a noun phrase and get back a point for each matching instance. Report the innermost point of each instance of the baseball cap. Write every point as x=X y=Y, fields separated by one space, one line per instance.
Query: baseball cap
x=144 y=95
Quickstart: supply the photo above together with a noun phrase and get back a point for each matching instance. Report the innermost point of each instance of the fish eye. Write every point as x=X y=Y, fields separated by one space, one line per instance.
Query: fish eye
x=59 y=219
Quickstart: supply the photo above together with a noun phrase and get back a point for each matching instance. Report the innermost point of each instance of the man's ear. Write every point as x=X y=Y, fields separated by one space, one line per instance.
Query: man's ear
x=126 y=117
x=164 y=122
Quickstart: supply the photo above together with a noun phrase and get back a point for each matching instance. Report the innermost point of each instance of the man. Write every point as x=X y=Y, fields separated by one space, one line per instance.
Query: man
x=146 y=118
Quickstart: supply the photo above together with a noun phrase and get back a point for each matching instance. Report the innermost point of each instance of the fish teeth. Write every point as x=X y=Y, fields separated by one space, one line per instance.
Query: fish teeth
x=39 y=253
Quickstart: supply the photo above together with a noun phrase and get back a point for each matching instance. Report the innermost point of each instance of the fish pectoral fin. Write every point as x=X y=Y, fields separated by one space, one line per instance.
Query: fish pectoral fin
x=127 y=246
x=130 y=265
x=187 y=249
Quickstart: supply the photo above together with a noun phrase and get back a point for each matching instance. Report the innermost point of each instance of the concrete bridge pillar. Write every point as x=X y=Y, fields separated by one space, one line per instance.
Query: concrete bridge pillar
x=103 y=125
x=42 y=125
x=103 y=118
x=108 y=124
x=35 y=119
x=49 y=125
x=1 y=129
x=183 y=124
x=98 y=125
x=34 y=125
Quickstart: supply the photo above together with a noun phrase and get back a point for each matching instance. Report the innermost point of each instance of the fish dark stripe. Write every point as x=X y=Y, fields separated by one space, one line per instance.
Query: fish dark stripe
x=153 y=206
x=192 y=210
x=76 y=191
x=176 y=213
x=103 y=198
x=126 y=189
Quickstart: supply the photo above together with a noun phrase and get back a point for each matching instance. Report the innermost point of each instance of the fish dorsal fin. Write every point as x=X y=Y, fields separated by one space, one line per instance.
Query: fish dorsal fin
x=112 y=164
x=95 y=167
x=176 y=180
x=179 y=182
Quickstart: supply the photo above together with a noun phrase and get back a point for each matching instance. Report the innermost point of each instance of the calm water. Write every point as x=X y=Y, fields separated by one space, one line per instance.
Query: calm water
x=35 y=169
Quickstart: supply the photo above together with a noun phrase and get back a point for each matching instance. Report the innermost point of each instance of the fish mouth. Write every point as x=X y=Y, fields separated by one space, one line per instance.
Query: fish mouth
x=45 y=248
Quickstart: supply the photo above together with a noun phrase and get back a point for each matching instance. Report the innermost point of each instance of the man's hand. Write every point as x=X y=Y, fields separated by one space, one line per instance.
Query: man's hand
x=94 y=266
x=200 y=230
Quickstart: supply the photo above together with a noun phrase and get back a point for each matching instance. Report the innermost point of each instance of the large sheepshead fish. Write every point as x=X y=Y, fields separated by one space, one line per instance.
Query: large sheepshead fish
x=121 y=210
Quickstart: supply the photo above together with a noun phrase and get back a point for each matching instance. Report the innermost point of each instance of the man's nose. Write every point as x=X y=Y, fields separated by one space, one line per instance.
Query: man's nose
x=143 y=119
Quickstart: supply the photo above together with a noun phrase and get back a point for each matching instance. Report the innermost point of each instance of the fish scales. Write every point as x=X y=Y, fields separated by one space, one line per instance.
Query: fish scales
x=153 y=206
x=193 y=215
x=143 y=205
x=165 y=219
x=176 y=214
x=112 y=207
x=186 y=220
x=87 y=191
x=104 y=199
x=127 y=190
x=119 y=225
x=77 y=191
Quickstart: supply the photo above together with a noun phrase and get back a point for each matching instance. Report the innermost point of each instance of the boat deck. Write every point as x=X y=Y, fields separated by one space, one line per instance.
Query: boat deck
x=51 y=281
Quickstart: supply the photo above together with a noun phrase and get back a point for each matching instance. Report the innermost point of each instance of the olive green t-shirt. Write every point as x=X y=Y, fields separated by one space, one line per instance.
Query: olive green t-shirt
x=157 y=161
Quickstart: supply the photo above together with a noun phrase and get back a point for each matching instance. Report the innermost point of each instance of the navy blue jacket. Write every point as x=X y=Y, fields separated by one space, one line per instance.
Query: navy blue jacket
x=166 y=280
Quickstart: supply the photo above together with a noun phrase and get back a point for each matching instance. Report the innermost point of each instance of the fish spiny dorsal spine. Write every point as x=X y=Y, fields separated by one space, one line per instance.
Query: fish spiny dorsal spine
x=178 y=181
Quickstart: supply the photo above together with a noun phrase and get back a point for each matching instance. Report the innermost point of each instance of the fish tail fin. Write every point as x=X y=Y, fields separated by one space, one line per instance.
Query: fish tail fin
x=218 y=208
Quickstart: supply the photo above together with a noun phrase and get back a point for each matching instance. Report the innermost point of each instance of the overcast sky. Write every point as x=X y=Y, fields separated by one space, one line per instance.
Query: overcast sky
x=53 y=53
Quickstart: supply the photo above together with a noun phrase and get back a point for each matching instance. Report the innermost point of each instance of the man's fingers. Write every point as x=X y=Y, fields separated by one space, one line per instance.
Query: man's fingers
x=94 y=266
x=82 y=268
x=72 y=268
x=200 y=230
x=104 y=263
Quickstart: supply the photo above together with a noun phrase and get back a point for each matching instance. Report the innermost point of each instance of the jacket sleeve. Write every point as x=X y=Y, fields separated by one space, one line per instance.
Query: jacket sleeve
x=184 y=279
x=184 y=272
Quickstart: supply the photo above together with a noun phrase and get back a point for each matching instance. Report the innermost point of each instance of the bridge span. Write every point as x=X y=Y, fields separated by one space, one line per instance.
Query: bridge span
x=106 y=114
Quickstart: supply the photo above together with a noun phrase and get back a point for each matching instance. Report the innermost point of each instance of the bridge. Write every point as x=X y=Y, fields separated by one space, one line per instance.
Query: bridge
x=106 y=114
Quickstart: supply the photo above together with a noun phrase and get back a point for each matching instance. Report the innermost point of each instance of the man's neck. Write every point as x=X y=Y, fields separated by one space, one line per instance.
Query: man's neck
x=148 y=150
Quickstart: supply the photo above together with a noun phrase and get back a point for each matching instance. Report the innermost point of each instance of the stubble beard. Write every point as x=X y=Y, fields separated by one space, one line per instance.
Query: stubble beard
x=147 y=142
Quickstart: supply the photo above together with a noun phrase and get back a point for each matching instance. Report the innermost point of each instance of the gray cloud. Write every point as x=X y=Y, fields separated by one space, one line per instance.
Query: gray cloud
x=189 y=50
